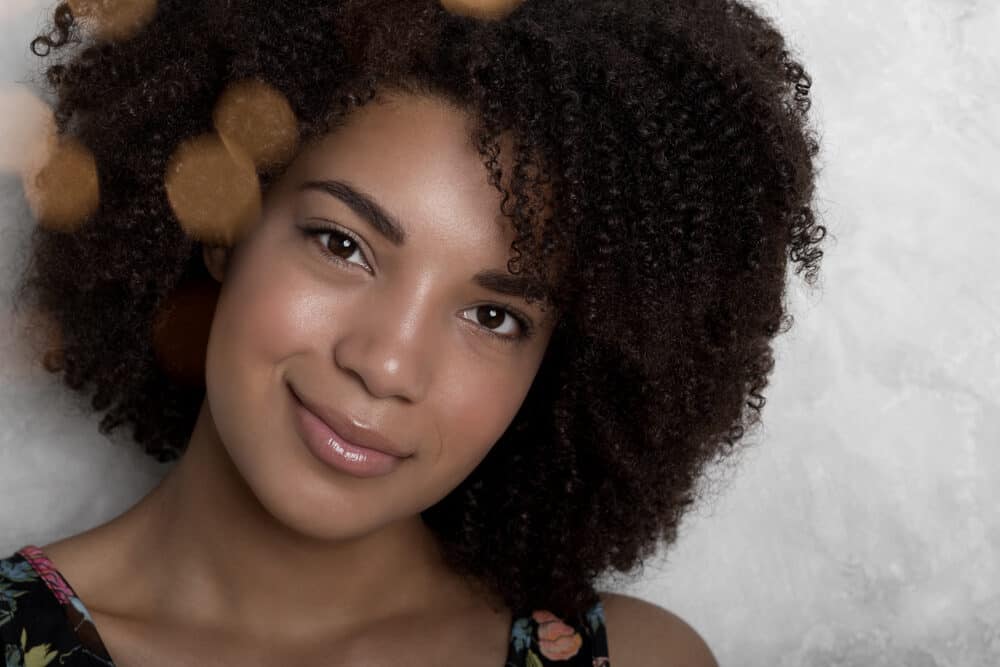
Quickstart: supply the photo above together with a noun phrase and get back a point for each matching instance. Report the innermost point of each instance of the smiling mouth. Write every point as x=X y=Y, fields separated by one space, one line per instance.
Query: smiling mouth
x=333 y=449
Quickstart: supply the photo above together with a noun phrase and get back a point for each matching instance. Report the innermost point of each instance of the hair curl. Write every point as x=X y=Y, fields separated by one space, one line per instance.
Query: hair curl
x=675 y=139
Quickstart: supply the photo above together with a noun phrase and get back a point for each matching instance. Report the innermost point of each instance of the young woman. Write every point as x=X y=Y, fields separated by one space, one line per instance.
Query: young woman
x=511 y=288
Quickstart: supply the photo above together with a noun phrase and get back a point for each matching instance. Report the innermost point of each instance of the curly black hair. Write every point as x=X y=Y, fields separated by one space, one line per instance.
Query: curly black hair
x=672 y=140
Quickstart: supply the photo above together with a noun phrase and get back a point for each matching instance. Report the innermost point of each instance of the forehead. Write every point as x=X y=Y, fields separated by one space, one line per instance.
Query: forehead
x=415 y=155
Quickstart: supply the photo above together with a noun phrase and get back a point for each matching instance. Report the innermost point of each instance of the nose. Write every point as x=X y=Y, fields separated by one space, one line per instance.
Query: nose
x=387 y=344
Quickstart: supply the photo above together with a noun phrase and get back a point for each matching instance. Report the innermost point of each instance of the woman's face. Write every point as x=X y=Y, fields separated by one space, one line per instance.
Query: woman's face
x=390 y=330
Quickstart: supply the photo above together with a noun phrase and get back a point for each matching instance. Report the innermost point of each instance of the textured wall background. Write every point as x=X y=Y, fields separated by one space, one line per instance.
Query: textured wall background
x=862 y=525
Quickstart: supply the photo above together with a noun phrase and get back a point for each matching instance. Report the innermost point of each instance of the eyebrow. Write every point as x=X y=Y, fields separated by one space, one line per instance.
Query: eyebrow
x=389 y=227
x=364 y=206
x=503 y=283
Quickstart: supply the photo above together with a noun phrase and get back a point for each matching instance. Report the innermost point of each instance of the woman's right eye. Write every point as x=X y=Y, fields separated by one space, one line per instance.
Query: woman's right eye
x=342 y=248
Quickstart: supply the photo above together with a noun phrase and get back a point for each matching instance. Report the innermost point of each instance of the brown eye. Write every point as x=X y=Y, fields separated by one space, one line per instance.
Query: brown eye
x=489 y=316
x=492 y=318
x=340 y=247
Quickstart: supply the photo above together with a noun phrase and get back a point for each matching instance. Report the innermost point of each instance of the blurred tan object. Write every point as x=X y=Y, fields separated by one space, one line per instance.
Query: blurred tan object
x=258 y=118
x=492 y=10
x=213 y=189
x=64 y=192
x=27 y=130
x=113 y=19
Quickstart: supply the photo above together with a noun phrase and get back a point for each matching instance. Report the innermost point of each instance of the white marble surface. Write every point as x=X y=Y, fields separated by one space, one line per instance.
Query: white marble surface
x=862 y=525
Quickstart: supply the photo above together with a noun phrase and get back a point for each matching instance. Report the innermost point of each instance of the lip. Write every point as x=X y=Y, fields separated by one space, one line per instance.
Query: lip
x=344 y=444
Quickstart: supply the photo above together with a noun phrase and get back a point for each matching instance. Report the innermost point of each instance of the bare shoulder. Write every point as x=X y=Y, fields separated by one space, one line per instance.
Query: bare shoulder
x=643 y=634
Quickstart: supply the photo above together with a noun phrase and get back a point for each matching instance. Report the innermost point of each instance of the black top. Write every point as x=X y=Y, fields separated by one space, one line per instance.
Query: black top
x=43 y=621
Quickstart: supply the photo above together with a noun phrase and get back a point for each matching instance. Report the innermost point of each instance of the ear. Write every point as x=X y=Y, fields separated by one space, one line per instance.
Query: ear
x=216 y=259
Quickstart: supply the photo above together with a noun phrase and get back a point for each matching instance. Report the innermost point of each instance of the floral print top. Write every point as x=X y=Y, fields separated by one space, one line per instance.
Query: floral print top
x=43 y=622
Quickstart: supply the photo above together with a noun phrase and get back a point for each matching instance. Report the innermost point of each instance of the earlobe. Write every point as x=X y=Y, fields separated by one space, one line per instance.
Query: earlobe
x=216 y=258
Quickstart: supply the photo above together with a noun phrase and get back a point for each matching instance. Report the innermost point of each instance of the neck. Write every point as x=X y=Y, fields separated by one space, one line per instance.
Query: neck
x=210 y=554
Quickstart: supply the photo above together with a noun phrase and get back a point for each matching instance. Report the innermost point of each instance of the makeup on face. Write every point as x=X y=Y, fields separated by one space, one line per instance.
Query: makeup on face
x=367 y=209
x=378 y=458
x=365 y=341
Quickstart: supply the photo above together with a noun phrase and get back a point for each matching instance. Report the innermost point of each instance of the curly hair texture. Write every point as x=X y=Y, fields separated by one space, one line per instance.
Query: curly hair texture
x=671 y=142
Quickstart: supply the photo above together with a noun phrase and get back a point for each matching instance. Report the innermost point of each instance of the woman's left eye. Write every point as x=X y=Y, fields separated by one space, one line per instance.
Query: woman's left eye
x=487 y=316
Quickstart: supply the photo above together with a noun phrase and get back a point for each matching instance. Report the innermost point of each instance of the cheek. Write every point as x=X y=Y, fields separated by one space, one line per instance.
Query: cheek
x=261 y=312
x=258 y=322
x=476 y=407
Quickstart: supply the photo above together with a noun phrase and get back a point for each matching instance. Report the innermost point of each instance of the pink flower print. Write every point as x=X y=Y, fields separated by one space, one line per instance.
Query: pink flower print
x=602 y=662
x=47 y=571
x=556 y=640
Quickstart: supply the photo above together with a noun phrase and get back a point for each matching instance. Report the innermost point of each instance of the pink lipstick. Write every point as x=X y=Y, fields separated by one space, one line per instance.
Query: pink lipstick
x=337 y=451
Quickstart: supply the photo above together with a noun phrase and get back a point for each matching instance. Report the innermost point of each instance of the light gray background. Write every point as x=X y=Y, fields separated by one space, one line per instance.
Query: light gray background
x=861 y=527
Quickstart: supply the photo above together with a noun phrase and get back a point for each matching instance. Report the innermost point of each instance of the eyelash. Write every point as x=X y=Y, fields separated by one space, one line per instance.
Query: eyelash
x=313 y=231
x=522 y=321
